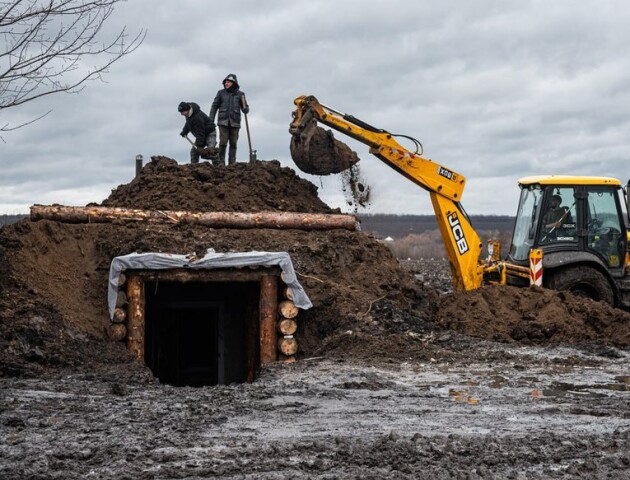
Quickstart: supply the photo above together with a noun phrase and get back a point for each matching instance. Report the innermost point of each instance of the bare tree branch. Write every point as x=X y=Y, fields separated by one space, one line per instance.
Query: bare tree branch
x=48 y=47
x=6 y=128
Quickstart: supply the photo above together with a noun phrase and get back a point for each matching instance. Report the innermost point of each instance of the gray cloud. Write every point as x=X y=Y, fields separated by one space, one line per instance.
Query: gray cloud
x=494 y=90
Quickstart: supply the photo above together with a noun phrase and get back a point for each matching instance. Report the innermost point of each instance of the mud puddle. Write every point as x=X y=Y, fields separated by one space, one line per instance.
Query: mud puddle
x=331 y=419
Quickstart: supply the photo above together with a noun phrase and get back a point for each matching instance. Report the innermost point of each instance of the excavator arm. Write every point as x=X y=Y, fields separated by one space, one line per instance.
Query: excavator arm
x=445 y=187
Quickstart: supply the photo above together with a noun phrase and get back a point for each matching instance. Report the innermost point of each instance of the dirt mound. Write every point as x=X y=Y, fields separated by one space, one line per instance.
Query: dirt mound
x=244 y=187
x=533 y=316
x=53 y=278
x=54 y=275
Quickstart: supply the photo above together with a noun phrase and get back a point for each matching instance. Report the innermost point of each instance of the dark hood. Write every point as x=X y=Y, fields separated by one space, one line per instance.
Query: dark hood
x=232 y=77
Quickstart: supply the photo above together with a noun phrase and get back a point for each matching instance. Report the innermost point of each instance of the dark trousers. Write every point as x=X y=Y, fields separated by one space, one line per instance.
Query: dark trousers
x=228 y=134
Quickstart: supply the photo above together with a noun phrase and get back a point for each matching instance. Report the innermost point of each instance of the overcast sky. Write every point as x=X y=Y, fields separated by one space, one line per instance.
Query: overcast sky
x=493 y=89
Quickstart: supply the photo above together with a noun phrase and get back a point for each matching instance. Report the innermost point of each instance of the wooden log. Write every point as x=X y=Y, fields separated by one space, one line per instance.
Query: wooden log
x=120 y=315
x=117 y=331
x=268 y=314
x=184 y=275
x=253 y=355
x=279 y=220
x=288 y=346
x=288 y=309
x=135 y=322
x=288 y=293
x=121 y=299
x=287 y=326
x=285 y=359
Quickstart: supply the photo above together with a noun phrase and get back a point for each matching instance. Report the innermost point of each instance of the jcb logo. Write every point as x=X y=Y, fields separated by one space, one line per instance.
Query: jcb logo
x=447 y=174
x=458 y=233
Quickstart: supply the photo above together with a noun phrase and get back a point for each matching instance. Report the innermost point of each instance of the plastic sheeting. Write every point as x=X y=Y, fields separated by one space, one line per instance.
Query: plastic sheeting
x=161 y=261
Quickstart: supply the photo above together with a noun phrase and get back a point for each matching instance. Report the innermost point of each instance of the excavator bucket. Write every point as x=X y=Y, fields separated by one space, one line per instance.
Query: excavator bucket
x=316 y=151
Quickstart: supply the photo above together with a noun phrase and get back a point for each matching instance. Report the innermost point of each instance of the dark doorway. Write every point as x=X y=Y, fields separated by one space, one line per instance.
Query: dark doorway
x=201 y=333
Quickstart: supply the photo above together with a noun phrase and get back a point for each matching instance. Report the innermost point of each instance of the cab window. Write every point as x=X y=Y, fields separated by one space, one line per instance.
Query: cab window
x=559 y=216
x=526 y=220
x=603 y=225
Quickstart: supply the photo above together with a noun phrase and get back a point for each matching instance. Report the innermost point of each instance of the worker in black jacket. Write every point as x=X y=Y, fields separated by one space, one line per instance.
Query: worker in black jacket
x=229 y=102
x=202 y=128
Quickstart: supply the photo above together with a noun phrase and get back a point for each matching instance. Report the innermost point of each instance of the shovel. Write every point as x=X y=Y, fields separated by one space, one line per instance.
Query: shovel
x=207 y=153
x=252 y=153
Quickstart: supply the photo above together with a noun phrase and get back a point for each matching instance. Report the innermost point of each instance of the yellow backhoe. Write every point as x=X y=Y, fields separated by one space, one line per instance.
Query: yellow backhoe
x=571 y=232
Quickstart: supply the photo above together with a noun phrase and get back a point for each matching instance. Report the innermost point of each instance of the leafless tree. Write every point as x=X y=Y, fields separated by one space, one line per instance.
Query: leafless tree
x=49 y=46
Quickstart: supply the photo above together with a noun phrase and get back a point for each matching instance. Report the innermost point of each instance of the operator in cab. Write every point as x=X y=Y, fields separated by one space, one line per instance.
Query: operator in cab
x=556 y=215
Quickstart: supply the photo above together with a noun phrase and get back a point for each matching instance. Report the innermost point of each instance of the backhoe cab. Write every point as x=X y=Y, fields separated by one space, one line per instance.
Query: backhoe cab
x=586 y=249
x=576 y=224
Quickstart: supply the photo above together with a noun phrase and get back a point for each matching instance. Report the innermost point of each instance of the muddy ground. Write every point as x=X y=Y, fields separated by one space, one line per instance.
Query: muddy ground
x=397 y=376
x=511 y=412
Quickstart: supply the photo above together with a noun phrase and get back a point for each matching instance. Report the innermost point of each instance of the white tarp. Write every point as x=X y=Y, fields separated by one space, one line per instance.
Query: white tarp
x=160 y=261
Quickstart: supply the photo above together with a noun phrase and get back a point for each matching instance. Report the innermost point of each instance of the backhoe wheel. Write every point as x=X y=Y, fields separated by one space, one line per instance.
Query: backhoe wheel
x=583 y=282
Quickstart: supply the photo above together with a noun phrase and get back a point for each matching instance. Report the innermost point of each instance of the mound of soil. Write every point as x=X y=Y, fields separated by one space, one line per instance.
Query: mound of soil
x=533 y=316
x=54 y=275
x=528 y=316
x=262 y=186
x=53 y=278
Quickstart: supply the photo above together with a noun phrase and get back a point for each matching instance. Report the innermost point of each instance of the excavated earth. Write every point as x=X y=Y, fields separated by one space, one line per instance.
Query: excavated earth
x=397 y=376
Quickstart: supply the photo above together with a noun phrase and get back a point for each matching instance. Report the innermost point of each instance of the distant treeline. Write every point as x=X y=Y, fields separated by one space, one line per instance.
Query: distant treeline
x=399 y=226
x=7 y=219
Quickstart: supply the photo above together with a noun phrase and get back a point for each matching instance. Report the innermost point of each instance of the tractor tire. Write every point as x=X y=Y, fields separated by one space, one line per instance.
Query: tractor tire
x=583 y=282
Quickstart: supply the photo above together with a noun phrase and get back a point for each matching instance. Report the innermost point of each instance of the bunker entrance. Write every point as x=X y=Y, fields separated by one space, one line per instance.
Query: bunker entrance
x=200 y=326
x=205 y=326
x=201 y=333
